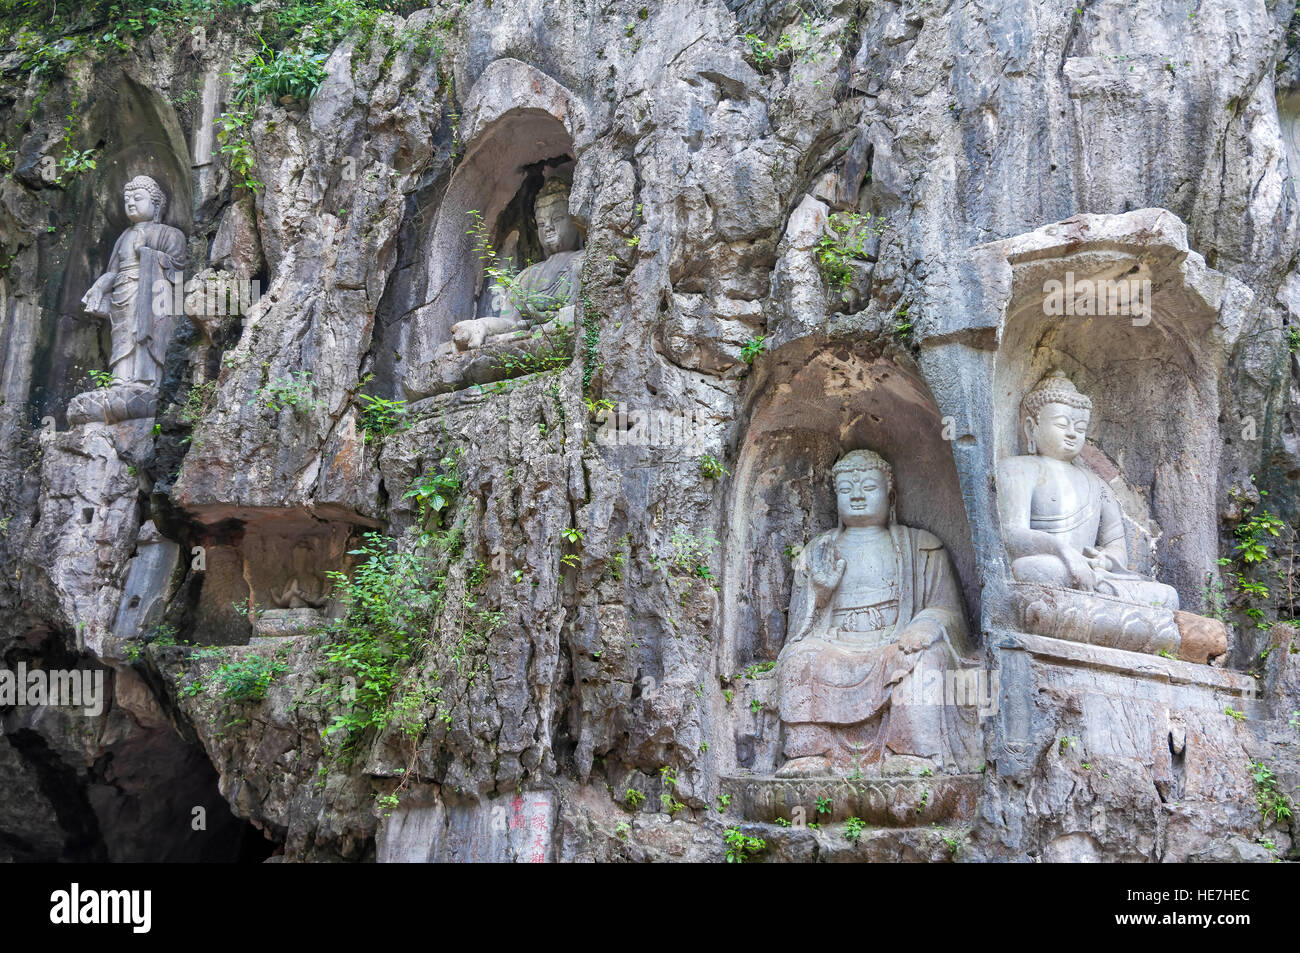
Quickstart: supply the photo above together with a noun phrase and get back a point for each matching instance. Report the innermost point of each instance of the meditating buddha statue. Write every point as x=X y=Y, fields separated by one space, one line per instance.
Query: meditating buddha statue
x=541 y=291
x=1061 y=523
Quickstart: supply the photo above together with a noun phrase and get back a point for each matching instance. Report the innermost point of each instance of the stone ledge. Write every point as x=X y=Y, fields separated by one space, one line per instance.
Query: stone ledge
x=880 y=802
x=1135 y=664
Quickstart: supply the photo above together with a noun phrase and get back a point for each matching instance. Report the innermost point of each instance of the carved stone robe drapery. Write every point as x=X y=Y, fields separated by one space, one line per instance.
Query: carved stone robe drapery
x=828 y=682
x=141 y=309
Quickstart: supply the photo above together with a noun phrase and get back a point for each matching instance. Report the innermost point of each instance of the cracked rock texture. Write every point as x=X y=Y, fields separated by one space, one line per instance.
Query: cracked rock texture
x=605 y=604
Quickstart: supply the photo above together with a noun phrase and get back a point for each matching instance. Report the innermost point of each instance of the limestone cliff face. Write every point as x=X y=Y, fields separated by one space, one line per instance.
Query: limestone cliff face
x=602 y=602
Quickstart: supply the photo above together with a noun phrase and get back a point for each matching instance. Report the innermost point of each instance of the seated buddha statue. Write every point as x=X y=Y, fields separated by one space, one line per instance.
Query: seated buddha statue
x=305 y=589
x=875 y=605
x=1061 y=523
x=541 y=291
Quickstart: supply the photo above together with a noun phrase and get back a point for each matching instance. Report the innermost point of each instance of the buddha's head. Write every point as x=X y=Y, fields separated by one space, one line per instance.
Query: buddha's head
x=144 y=199
x=864 y=488
x=1054 y=418
x=555 y=228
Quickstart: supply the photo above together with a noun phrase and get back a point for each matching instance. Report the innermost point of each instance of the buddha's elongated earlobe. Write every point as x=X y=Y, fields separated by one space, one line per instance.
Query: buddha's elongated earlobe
x=1030 y=446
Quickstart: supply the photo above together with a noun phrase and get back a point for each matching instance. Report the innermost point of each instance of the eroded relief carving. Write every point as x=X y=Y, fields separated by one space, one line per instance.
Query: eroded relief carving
x=305 y=588
x=875 y=607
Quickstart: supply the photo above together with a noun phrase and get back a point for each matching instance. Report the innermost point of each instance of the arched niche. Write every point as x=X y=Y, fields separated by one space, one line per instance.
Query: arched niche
x=516 y=119
x=1155 y=379
x=819 y=402
x=135 y=132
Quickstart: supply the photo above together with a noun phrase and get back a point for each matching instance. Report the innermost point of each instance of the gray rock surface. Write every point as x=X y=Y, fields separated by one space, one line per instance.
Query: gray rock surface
x=593 y=670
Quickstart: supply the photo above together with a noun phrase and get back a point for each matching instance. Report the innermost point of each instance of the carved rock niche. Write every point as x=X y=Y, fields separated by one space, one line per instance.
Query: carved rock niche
x=266 y=575
x=1157 y=380
x=140 y=135
x=520 y=127
x=1155 y=377
x=820 y=402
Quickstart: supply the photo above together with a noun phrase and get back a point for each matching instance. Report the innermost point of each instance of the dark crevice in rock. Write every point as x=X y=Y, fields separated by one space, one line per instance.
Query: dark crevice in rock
x=66 y=796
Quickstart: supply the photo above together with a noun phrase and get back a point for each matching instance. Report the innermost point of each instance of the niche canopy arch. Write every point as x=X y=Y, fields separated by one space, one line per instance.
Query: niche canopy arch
x=820 y=402
x=515 y=116
x=1157 y=379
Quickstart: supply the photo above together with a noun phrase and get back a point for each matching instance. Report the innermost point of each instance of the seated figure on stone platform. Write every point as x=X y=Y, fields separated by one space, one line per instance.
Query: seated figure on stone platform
x=875 y=609
x=304 y=590
x=541 y=292
x=1062 y=524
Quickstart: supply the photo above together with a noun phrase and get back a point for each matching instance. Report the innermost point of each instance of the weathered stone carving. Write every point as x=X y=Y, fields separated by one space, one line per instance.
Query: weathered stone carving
x=1064 y=531
x=136 y=294
x=305 y=589
x=541 y=292
x=148 y=576
x=875 y=607
x=1062 y=524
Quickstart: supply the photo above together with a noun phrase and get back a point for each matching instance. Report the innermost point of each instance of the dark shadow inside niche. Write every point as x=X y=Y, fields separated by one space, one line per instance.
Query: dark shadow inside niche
x=136 y=133
x=1154 y=429
x=268 y=574
x=817 y=406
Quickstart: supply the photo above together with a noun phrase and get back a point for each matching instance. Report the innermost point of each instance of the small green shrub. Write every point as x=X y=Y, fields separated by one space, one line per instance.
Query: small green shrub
x=691 y=553
x=293 y=391
x=741 y=849
x=271 y=74
x=380 y=416
x=1253 y=534
x=435 y=489
x=1273 y=803
x=853 y=829
x=763 y=54
x=752 y=348
x=248 y=679
x=844 y=243
x=712 y=467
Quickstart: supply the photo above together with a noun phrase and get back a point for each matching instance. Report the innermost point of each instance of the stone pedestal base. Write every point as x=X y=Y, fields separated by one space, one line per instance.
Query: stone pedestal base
x=1117 y=755
x=274 y=624
x=111 y=405
x=1097 y=619
x=879 y=845
x=879 y=802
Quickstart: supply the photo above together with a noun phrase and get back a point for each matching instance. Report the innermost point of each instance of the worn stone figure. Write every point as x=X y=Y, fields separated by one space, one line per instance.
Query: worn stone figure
x=540 y=291
x=875 y=607
x=1061 y=523
x=305 y=589
x=129 y=293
